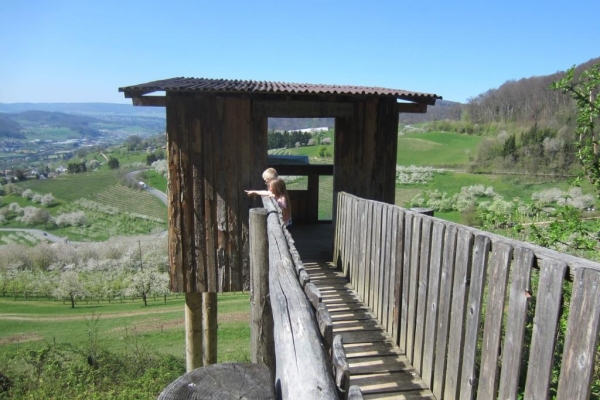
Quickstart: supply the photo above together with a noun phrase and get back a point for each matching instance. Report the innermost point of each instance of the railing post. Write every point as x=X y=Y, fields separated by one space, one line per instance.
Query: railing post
x=261 y=316
x=209 y=328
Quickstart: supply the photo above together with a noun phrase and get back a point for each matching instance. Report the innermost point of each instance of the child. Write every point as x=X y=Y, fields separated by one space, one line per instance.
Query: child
x=268 y=175
x=278 y=191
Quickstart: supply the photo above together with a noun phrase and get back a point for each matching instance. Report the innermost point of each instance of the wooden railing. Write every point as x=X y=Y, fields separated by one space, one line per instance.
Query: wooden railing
x=478 y=315
x=302 y=367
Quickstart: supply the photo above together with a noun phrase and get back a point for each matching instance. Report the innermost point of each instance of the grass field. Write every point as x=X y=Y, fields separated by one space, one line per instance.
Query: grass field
x=436 y=149
x=155 y=180
x=160 y=326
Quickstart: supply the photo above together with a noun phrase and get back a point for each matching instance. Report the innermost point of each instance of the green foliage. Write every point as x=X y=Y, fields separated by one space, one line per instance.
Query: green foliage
x=322 y=151
x=76 y=167
x=58 y=371
x=584 y=91
x=150 y=158
x=510 y=146
x=278 y=139
x=113 y=163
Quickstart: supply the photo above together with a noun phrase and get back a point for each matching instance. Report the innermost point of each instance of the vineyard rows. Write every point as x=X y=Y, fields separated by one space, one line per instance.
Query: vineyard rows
x=132 y=201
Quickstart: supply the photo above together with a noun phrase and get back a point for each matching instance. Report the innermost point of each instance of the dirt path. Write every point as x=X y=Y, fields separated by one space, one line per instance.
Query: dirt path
x=61 y=318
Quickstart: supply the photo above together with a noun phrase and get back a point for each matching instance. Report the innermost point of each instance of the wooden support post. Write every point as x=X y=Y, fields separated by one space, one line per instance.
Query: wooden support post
x=193 y=331
x=313 y=198
x=261 y=316
x=209 y=328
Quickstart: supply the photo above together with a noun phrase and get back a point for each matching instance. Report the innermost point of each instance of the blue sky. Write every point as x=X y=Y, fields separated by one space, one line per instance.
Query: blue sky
x=82 y=51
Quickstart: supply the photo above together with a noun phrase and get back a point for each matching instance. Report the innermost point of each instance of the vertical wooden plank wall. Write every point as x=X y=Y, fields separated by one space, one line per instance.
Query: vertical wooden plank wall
x=444 y=292
x=365 y=151
x=215 y=148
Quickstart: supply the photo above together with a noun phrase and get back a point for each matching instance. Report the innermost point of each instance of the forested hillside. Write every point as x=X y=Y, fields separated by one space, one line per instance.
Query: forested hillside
x=527 y=102
x=528 y=126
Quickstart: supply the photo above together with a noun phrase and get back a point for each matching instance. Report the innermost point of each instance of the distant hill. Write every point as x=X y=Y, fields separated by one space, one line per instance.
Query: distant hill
x=16 y=119
x=11 y=125
x=442 y=109
x=84 y=108
x=9 y=129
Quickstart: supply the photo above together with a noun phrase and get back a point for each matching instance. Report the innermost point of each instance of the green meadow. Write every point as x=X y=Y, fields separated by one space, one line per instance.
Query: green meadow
x=159 y=326
x=436 y=149
x=154 y=179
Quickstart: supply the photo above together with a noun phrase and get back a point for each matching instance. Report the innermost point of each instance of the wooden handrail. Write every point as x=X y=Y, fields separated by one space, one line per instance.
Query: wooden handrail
x=477 y=314
x=302 y=369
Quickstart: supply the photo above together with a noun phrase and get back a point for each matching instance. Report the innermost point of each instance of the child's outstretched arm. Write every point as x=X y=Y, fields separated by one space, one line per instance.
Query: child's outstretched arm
x=259 y=192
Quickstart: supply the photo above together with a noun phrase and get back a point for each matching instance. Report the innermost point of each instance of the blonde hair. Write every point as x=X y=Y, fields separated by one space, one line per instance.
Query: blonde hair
x=269 y=173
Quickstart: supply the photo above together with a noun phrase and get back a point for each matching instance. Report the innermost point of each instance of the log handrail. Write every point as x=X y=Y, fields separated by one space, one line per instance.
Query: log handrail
x=302 y=369
x=462 y=304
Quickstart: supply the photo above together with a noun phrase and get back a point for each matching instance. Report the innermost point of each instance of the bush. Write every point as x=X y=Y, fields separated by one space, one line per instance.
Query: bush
x=113 y=163
x=91 y=372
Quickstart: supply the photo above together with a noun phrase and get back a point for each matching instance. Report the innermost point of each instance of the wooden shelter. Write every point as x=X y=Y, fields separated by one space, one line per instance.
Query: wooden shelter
x=217 y=146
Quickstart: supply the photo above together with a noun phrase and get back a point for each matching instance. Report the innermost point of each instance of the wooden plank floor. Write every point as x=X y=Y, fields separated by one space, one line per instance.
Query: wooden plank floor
x=377 y=364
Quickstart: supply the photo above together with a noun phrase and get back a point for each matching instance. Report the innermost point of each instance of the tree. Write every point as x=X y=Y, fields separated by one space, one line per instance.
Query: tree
x=584 y=91
x=35 y=216
x=144 y=283
x=70 y=287
x=113 y=163
x=76 y=167
x=47 y=199
x=133 y=142
x=569 y=229
x=93 y=165
x=20 y=174
x=510 y=146
x=150 y=158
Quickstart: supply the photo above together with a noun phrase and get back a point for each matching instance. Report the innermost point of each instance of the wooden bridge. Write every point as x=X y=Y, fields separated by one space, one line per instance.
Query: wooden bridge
x=414 y=307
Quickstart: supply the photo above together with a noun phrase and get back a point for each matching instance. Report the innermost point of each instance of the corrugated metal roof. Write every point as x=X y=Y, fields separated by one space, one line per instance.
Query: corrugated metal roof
x=264 y=87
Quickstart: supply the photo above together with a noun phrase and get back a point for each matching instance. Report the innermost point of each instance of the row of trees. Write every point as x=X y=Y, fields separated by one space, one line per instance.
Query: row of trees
x=279 y=140
x=119 y=268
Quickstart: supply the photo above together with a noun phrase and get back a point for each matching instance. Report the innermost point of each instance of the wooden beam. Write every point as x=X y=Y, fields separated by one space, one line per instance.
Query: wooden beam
x=135 y=93
x=412 y=108
x=303 y=170
x=152 y=101
x=302 y=109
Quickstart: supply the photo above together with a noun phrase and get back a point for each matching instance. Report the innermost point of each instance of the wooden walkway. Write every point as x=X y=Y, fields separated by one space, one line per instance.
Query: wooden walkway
x=377 y=364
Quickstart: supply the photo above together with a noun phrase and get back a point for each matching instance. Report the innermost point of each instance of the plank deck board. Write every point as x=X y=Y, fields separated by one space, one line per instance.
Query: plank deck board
x=377 y=364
